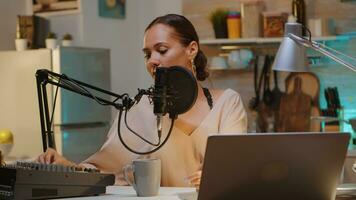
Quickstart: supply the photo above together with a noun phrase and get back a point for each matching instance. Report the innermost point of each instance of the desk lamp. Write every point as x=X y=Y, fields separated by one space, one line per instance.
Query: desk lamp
x=291 y=55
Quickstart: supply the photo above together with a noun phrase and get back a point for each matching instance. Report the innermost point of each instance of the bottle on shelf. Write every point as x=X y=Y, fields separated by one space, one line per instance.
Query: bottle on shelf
x=234 y=24
x=299 y=12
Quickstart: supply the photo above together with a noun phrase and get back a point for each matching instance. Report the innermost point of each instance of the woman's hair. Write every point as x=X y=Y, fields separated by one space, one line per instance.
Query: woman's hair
x=186 y=33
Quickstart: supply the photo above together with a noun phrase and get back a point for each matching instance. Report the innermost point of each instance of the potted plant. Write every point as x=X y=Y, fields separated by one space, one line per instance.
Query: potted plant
x=218 y=20
x=51 y=40
x=20 y=42
x=67 y=40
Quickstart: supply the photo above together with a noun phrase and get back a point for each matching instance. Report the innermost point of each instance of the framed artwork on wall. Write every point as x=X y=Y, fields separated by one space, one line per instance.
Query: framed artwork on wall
x=54 y=6
x=112 y=8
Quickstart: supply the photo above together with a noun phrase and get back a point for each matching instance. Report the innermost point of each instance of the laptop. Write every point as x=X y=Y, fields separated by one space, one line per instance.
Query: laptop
x=273 y=166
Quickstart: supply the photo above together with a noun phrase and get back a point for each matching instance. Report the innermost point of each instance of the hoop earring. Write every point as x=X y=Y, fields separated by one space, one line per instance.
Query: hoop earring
x=194 y=68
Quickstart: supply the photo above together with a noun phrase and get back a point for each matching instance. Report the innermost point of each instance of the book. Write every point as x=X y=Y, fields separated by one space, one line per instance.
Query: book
x=25 y=29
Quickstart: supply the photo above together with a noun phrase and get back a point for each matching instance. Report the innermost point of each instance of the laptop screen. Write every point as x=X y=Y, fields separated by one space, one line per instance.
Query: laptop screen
x=273 y=166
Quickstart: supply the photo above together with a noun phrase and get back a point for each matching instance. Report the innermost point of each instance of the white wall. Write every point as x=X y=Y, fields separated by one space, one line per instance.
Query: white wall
x=148 y=10
x=120 y=36
x=124 y=38
x=9 y=9
x=70 y=23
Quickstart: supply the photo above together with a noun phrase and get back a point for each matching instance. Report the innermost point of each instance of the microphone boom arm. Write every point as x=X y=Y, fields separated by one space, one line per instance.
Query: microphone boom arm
x=181 y=98
x=44 y=77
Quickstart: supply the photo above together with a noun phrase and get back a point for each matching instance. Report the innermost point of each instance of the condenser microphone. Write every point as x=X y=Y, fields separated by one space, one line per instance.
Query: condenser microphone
x=160 y=96
x=175 y=92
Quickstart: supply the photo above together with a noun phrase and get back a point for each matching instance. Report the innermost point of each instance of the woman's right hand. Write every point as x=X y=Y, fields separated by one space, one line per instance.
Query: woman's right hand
x=51 y=156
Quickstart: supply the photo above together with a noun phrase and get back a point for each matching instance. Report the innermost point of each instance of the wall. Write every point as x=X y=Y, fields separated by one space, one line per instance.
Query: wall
x=9 y=10
x=69 y=23
x=148 y=10
x=332 y=74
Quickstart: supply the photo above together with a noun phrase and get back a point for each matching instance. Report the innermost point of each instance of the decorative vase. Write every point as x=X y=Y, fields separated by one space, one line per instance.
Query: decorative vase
x=51 y=43
x=20 y=44
x=67 y=43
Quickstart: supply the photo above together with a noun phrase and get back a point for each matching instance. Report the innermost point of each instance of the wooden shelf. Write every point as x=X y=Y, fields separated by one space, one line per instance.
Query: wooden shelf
x=257 y=41
x=231 y=71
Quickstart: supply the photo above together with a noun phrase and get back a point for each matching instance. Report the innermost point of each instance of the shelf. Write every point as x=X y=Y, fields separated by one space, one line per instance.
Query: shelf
x=257 y=41
x=231 y=71
x=58 y=13
x=57 y=9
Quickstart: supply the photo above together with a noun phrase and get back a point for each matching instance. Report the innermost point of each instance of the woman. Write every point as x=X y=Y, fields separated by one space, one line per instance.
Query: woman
x=170 y=40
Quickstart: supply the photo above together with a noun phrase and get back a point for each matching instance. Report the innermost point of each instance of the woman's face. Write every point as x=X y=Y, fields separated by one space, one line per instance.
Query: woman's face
x=163 y=49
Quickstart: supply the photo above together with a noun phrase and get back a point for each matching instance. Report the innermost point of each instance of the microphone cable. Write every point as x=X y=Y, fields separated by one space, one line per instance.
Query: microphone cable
x=138 y=135
x=141 y=152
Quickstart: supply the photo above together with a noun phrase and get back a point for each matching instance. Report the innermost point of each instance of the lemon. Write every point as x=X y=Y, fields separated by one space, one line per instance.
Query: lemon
x=6 y=137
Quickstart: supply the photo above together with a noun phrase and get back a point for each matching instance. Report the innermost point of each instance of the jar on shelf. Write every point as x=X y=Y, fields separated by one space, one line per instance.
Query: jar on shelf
x=273 y=23
x=234 y=24
x=251 y=18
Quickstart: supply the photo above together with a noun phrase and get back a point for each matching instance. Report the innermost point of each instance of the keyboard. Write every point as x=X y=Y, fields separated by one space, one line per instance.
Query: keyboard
x=26 y=180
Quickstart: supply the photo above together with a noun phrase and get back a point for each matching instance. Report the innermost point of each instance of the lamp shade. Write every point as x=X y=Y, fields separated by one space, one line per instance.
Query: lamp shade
x=291 y=56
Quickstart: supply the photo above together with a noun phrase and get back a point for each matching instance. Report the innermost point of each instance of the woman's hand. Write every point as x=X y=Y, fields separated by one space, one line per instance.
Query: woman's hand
x=194 y=179
x=51 y=156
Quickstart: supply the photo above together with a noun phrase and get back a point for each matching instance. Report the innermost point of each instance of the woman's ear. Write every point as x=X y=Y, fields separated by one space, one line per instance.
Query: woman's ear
x=192 y=50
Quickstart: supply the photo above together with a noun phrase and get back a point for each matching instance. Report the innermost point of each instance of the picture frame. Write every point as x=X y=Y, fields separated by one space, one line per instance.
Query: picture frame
x=112 y=8
x=54 y=6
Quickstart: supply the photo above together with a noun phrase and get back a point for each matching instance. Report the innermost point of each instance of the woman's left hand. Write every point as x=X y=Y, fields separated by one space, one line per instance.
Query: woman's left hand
x=194 y=179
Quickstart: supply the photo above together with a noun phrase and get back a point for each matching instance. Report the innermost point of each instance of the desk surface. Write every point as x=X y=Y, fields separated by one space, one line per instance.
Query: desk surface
x=127 y=192
x=346 y=191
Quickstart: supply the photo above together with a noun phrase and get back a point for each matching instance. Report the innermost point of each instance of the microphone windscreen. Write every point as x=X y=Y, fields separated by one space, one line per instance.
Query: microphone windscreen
x=184 y=87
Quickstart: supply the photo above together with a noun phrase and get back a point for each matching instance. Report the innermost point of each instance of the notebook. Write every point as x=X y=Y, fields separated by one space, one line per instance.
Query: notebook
x=273 y=166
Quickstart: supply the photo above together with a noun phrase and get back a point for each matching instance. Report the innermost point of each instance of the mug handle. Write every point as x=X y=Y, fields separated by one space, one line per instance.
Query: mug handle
x=125 y=171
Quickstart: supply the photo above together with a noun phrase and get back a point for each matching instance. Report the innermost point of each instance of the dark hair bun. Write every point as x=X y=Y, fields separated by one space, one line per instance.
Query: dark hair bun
x=200 y=62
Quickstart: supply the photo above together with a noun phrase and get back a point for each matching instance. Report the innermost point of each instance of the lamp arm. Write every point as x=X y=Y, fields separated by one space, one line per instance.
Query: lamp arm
x=317 y=47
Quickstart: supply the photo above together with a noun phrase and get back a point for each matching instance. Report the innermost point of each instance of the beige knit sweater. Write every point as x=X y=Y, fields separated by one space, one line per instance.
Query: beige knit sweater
x=182 y=155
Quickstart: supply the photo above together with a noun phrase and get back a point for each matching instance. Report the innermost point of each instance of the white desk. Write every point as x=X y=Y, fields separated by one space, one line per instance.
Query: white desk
x=179 y=193
x=128 y=193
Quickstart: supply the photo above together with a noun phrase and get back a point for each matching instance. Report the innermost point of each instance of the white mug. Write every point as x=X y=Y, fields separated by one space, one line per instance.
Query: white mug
x=146 y=176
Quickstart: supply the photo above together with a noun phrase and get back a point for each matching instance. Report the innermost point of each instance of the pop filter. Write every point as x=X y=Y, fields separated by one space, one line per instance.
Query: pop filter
x=177 y=90
x=184 y=85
